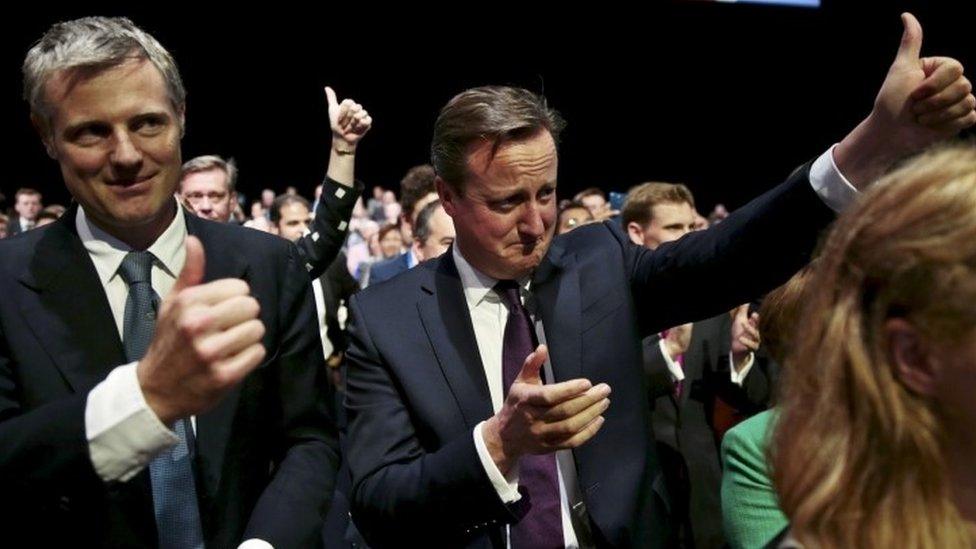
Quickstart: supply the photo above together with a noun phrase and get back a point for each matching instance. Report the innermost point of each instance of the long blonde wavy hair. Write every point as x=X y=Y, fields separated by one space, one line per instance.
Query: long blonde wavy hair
x=858 y=458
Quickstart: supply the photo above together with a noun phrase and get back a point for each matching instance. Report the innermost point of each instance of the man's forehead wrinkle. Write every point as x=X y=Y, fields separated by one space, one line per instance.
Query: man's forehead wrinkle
x=531 y=162
x=484 y=153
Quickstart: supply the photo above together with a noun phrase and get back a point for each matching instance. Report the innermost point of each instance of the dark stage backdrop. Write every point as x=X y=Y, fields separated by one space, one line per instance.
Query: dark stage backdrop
x=727 y=98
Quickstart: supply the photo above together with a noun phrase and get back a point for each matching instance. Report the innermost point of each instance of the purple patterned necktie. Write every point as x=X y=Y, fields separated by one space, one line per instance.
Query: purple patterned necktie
x=541 y=527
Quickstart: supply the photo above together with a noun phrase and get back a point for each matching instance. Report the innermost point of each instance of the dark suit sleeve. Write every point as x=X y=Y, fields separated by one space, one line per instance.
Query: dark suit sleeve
x=290 y=511
x=758 y=388
x=329 y=227
x=755 y=393
x=45 y=449
x=342 y=286
x=707 y=272
x=400 y=491
x=656 y=373
x=346 y=284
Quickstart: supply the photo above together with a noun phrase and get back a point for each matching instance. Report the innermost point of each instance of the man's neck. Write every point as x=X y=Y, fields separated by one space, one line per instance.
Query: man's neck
x=143 y=236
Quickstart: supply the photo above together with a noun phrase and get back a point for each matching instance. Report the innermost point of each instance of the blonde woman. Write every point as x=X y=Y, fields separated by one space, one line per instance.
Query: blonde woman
x=875 y=442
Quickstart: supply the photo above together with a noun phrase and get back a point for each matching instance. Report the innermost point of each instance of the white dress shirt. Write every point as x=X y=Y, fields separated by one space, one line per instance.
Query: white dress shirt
x=123 y=432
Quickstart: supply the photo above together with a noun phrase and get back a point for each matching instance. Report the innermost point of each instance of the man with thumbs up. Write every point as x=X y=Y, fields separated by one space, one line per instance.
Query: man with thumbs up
x=456 y=439
x=160 y=379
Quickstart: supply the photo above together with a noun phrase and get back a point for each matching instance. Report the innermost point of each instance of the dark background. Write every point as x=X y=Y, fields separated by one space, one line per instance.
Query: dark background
x=727 y=98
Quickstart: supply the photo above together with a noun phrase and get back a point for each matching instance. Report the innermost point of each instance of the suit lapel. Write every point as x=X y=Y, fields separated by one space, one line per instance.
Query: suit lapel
x=67 y=308
x=556 y=300
x=214 y=427
x=556 y=290
x=447 y=322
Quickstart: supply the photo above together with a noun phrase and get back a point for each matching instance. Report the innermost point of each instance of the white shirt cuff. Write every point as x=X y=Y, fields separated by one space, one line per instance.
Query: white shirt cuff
x=506 y=486
x=123 y=433
x=677 y=372
x=255 y=543
x=740 y=376
x=831 y=185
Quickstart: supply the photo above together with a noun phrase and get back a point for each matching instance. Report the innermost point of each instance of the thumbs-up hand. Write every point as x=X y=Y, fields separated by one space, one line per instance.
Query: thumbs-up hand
x=208 y=337
x=349 y=120
x=904 y=75
x=922 y=100
x=539 y=419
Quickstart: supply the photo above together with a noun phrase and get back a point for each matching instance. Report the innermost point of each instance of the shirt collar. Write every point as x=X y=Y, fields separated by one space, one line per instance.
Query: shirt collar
x=477 y=285
x=107 y=252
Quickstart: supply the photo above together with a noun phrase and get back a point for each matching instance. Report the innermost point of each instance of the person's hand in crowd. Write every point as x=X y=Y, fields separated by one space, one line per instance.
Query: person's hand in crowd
x=745 y=335
x=208 y=338
x=922 y=100
x=539 y=419
x=348 y=119
x=677 y=340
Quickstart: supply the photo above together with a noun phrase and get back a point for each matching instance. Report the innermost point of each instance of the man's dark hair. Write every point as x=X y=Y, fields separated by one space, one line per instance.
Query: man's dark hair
x=283 y=200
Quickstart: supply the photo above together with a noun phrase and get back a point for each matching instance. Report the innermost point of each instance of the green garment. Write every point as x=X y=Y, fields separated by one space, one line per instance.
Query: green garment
x=750 y=513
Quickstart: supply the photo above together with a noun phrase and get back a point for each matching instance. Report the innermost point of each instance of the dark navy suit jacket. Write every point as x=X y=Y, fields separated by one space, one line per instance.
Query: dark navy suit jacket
x=266 y=455
x=416 y=386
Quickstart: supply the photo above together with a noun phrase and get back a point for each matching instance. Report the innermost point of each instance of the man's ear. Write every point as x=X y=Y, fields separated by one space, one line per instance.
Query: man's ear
x=446 y=195
x=415 y=247
x=181 y=114
x=912 y=356
x=44 y=132
x=636 y=233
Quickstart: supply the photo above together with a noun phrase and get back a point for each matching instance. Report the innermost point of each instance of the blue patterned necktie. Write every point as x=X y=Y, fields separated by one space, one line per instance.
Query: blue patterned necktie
x=171 y=472
x=541 y=527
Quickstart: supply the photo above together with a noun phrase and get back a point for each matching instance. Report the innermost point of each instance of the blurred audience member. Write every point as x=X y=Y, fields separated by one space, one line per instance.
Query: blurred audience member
x=435 y=231
x=209 y=184
x=572 y=215
x=390 y=242
x=595 y=200
x=416 y=191
x=27 y=204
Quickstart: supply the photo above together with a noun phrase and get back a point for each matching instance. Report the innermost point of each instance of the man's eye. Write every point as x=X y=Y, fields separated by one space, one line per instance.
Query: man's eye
x=87 y=135
x=149 y=124
x=502 y=205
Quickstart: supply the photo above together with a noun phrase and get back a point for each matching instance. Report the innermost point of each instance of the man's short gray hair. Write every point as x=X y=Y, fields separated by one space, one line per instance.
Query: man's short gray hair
x=87 y=46
x=211 y=162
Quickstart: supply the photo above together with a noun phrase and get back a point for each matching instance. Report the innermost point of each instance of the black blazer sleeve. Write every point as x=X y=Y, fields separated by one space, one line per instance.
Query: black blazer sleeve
x=779 y=229
x=329 y=227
